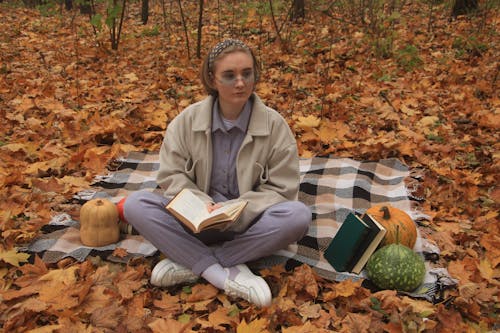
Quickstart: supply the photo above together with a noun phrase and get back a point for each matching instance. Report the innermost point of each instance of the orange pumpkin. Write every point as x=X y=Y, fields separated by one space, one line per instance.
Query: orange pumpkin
x=400 y=226
x=99 y=223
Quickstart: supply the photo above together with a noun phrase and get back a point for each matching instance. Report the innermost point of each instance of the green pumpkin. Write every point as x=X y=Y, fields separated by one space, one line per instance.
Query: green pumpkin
x=396 y=266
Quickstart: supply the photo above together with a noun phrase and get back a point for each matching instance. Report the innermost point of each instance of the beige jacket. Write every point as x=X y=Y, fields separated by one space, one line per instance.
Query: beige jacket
x=267 y=164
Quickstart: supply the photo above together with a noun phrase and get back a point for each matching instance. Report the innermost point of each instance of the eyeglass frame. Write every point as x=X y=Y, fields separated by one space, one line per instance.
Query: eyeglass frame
x=247 y=76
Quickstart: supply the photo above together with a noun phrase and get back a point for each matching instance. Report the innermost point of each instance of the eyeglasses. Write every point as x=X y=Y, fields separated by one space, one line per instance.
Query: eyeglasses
x=230 y=79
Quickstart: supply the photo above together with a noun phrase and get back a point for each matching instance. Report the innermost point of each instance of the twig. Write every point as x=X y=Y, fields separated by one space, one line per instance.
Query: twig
x=383 y=94
x=185 y=28
x=200 y=28
x=77 y=55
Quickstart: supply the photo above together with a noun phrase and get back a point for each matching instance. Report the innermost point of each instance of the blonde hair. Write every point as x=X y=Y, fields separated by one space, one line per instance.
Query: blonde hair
x=218 y=51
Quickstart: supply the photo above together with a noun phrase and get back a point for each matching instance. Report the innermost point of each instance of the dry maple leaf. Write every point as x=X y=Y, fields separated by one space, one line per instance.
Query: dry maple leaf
x=202 y=292
x=275 y=271
x=13 y=257
x=491 y=242
x=307 y=327
x=168 y=303
x=304 y=279
x=168 y=325
x=458 y=269
x=221 y=316
x=422 y=308
x=309 y=310
x=61 y=297
x=356 y=322
x=46 y=329
x=69 y=325
x=97 y=298
x=108 y=317
x=255 y=326
x=120 y=252
x=100 y=276
x=345 y=288
x=306 y=123
x=65 y=276
x=137 y=313
x=130 y=281
x=487 y=271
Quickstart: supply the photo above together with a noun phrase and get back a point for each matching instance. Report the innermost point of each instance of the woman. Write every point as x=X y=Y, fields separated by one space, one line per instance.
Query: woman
x=227 y=147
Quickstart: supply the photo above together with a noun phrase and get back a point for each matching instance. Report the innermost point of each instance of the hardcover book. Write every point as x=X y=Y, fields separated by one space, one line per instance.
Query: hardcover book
x=193 y=212
x=354 y=243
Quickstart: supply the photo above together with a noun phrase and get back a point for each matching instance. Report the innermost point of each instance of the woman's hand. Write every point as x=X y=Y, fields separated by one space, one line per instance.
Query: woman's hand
x=213 y=206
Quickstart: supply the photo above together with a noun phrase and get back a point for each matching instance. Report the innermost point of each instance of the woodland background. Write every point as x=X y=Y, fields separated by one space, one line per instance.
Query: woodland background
x=359 y=79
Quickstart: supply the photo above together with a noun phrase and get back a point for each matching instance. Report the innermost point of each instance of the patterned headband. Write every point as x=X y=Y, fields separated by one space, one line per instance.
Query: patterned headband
x=221 y=46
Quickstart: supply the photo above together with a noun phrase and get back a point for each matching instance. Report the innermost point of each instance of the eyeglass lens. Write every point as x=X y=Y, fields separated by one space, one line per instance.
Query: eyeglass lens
x=230 y=78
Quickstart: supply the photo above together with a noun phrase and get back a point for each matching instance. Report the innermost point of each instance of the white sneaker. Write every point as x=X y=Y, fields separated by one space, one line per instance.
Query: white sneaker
x=167 y=273
x=241 y=282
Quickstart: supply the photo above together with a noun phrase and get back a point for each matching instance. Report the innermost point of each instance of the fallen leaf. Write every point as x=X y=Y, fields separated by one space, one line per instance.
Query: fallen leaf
x=168 y=303
x=202 y=292
x=255 y=326
x=355 y=322
x=120 y=252
x=221 y=317
x=108 y=317
x=13 y=257
x=46 y=329
x=130 y=281
x=308 y=122
x=307 y=327
x=304 y=279
x=167 y=325
x=309 y=310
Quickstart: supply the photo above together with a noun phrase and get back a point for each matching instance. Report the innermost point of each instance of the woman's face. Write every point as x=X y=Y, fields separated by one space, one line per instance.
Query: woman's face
x=234 y=78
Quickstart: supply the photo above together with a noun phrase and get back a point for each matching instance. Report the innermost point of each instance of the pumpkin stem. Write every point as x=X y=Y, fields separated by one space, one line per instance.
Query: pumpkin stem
x=99 y=202
x=397 y=234
x=387 y=214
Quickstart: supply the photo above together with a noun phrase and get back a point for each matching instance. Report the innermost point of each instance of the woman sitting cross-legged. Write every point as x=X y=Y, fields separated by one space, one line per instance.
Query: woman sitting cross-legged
x=227 y=147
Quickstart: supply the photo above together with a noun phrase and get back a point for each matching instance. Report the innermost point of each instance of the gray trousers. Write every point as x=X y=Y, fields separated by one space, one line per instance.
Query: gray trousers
x=279 y=226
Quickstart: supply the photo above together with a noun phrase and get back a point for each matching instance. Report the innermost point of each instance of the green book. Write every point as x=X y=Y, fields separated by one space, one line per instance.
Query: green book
x=371 y=242
x=354 y=242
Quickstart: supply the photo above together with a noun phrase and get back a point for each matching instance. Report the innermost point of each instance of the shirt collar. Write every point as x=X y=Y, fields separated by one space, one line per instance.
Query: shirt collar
x=241 y=123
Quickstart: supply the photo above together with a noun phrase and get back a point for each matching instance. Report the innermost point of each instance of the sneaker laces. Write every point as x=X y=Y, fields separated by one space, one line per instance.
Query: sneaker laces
x=238 y=290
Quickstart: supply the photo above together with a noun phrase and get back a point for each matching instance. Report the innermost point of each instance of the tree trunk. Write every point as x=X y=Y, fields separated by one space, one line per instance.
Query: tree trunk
x=145 y=11
x=86 y=8
x=68 y=4
x=298 y=10
x=464 y=7
x=184 y=24
x=200 y=29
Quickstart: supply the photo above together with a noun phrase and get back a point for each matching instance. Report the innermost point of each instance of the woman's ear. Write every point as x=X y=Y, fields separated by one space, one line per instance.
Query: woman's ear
x=211 y=81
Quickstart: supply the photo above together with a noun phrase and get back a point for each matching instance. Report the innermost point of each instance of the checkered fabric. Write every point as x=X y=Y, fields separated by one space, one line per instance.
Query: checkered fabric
x=331 y=187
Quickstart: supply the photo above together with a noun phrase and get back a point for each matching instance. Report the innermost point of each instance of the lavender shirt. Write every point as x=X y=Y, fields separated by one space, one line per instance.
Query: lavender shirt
x=227 y=137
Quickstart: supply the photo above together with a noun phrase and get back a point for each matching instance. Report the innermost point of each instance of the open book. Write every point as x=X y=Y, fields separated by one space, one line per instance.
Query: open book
x=354 y=243
x=192 y=211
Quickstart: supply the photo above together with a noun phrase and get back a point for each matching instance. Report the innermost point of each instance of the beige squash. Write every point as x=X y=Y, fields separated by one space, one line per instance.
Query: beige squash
x=99 y=223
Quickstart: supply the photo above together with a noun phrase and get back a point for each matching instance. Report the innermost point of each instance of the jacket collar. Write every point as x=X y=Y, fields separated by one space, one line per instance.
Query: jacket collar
x=258 y=125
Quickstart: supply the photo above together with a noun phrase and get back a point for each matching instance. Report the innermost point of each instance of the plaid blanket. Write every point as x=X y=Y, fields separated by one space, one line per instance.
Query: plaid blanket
x=331 y=187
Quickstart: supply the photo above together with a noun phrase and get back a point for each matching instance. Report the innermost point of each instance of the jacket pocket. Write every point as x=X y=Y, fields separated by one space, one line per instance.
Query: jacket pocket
x=263 y=173
x=190 y=167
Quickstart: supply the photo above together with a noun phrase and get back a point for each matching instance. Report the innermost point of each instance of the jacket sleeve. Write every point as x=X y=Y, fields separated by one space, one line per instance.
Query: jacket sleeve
x=176 y=162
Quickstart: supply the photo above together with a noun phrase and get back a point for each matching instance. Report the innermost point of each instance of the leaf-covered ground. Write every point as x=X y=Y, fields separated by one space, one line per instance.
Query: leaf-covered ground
x=69 y=105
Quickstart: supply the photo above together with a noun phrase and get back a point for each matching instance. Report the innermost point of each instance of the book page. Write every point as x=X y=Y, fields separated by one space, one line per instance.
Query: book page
x=190 y=206
x=228 y=209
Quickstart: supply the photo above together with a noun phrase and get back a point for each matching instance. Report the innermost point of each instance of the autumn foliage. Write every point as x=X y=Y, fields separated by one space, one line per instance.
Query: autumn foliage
x=69 y=105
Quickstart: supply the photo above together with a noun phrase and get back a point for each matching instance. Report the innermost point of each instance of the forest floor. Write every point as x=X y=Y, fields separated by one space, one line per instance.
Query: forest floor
x=419 y=86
